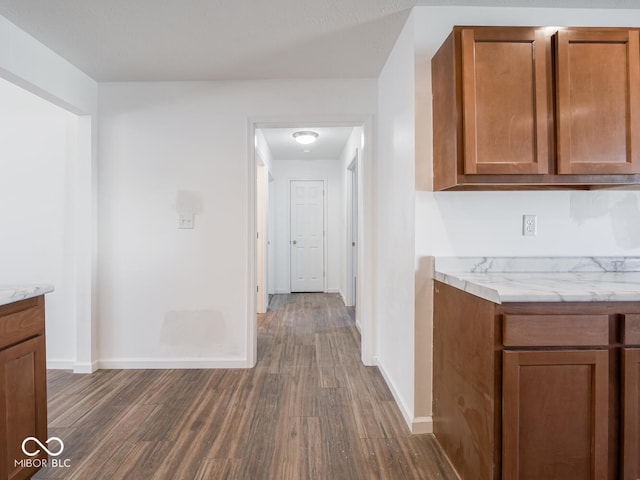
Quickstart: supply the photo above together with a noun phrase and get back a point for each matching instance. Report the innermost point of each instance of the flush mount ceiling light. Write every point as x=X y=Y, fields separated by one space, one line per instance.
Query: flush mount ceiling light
x=305 y=137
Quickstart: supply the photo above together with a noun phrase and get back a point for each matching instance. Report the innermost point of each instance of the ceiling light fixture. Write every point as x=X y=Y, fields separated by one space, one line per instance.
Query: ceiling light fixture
x=305 y=137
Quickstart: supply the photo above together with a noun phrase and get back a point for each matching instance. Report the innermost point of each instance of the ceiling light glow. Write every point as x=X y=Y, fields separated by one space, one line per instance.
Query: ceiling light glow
x=305 y=137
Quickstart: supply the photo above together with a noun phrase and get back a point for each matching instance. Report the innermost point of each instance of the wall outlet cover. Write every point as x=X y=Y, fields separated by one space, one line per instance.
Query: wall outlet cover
x=529 y=225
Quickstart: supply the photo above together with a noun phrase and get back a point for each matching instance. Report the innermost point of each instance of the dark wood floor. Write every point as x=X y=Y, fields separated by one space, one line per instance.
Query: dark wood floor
x=309 y=410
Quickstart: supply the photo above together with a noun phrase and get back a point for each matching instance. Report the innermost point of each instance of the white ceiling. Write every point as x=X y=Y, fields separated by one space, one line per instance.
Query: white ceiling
x=328 y=146
x=129 y=40
x=119 y=40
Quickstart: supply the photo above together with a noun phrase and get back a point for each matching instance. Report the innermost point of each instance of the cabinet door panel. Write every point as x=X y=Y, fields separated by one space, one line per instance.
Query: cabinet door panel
x=23 y=403
x=630 y=414
x=555 y=414
x=598 y=102
x=505 y=83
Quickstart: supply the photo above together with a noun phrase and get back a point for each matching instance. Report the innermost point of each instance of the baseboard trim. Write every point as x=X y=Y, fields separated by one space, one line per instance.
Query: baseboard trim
x=344 y=299
x=282 y=291
x=404 y=410
x=416 y=425
x=60 y=364
x=155 y=364
x=422 y=425
x=86 y=367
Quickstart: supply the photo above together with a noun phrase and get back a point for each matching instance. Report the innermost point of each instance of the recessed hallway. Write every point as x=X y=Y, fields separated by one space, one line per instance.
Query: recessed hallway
x=308 y=410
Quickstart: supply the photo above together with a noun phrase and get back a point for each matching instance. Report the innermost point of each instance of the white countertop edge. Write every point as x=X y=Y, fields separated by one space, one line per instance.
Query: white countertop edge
x=548 y=287
x=481 y=291
x=15 y=293
x=541 y=264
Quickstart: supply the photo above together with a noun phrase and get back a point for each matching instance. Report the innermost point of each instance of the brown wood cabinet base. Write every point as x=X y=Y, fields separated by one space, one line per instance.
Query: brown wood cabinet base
x=23 y=386
x=537 y=390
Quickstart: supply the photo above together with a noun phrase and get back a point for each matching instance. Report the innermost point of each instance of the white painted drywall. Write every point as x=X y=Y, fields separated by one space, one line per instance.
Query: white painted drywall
x=396 y=222
x=172 y=297
x=262 y=148
x=31 y=65
x=37 y=172
x=330 y=172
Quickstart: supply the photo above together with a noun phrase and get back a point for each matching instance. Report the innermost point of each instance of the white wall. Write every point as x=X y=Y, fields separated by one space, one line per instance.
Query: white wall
x=330 y=172
x=37 y=170
x=172 y=297
x=396 y=222
x=31 y=65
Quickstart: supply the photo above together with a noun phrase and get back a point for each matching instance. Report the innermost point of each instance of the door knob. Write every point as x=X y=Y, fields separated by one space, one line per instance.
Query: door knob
x=294 y=242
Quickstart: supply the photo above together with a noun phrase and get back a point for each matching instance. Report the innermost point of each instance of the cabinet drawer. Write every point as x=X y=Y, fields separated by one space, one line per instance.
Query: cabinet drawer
x=23 y=320
x=631 y=329
x=556 y=330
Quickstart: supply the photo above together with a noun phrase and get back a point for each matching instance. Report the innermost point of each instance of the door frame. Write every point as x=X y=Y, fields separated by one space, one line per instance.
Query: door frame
x=365 y=314
x=262 y=260
x=325 y=245
x=352 y=273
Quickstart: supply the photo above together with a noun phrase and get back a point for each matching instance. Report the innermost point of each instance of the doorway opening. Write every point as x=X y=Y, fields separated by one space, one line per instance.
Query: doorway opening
x=311 y=222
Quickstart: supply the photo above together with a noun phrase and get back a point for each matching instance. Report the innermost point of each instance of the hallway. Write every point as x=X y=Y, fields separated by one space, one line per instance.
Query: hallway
x=309 y=410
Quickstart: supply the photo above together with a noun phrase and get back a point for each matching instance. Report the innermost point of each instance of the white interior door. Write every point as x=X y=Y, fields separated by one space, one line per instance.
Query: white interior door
x=307 y=235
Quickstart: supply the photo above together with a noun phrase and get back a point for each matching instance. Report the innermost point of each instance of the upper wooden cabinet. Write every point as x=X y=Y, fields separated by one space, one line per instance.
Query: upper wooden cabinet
x=505 y=83
x=598 y=81
x=501 y=119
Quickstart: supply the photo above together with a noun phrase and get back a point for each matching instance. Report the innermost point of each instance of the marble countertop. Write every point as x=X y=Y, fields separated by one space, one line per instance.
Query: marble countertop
x=15 y=293
x=533 y=279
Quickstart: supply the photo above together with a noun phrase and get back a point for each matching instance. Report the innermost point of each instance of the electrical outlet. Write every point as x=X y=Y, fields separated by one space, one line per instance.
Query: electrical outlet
x=529 y=225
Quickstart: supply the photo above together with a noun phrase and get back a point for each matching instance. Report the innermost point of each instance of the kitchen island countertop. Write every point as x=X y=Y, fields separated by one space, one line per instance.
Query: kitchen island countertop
x=15 y=293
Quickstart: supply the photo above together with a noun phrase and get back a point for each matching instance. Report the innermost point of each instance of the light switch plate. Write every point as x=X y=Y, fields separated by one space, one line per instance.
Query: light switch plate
x=185 y=220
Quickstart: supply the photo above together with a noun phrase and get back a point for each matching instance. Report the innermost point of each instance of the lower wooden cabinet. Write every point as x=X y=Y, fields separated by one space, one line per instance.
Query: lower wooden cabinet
x=555 y=414
x=631 y=413
x=531 y=391
x=23 y=384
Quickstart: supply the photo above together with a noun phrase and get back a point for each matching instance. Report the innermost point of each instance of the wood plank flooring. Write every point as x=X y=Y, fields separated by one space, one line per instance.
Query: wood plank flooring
x=308 y=410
